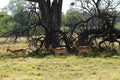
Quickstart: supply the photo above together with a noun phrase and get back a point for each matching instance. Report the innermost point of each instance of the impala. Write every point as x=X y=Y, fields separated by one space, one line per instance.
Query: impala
x=83 y=49
x=58 y=50
x=17 y=52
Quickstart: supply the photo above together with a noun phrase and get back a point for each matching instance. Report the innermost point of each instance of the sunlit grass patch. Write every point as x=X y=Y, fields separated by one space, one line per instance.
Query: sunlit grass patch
x=59 y=68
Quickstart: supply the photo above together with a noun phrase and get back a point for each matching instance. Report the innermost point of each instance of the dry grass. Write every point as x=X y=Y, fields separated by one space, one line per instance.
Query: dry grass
x=21 y=43
x=60 y=68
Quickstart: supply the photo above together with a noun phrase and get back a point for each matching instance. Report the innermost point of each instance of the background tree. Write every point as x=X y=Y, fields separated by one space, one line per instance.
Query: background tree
x=6 y=23
x=100 y=20
x=72 y=17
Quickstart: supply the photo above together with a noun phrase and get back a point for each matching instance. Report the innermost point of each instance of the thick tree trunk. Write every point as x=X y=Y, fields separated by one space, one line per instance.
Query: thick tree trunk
x=51 y=39
x=51 y=19
x=50 y=11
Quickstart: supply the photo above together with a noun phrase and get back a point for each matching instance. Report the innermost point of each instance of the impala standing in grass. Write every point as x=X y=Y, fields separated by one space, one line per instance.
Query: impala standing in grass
x=58 y=50
x=83 y=49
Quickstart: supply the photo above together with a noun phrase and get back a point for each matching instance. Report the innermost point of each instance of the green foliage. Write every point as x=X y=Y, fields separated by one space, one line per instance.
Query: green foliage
x=15 y=6
x=117 y=25
x=73 y=16
x=36 y=31
x=17 y=21
x=6 y=22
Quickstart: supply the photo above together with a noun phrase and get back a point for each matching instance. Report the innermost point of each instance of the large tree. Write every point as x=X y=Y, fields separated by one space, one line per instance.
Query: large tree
x=49 y=15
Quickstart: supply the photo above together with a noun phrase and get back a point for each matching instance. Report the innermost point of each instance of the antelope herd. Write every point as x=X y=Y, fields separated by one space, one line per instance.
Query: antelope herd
x=56 y=50
x=81 y=49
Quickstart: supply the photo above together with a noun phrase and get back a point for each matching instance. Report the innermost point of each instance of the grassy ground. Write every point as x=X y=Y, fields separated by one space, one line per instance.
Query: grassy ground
x=59 y=68
x=68 y=67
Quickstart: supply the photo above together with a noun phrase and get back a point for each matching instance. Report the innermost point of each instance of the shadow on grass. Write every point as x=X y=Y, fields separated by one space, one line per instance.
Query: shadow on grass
x=5 y=56
x=47 y=53
x=41 y=54
x=104 y=54
x=95 y=53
